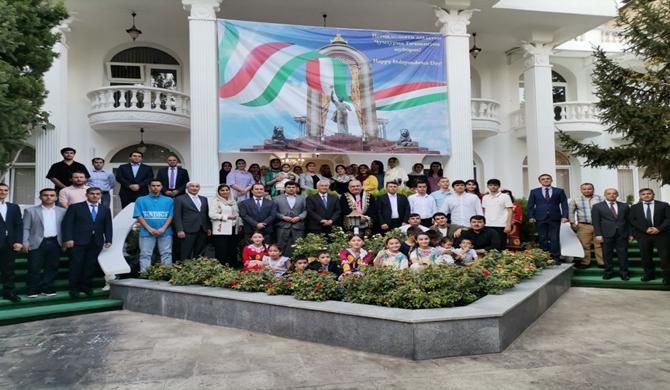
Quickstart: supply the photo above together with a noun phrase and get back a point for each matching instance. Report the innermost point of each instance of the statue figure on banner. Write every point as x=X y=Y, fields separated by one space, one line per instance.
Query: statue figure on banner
x=341 y=114
x=278 y=137
x=405 y=138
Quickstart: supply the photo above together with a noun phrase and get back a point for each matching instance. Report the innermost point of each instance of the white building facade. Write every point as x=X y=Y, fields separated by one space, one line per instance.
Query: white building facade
x=532 y=77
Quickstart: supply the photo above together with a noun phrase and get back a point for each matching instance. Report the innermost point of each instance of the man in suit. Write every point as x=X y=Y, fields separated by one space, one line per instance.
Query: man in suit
x=191 y=221
x=173 y=177
x=392 y=208
x=11 y=237
x=258 y=213
x=134 y=178
x=610 y=226
x=650 y=220
x=291 y=214
x=323 y=209
x=86 y=228
x=42 y=240
x=548 y=209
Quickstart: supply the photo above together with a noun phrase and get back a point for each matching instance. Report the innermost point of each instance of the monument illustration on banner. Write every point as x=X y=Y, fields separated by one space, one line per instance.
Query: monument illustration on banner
x=326 y=125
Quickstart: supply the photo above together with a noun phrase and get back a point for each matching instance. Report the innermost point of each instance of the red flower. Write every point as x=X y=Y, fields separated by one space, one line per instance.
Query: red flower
x=232 y=283
x=289 y=284
x=318 y=286
x=323 y=273
x=486 y=273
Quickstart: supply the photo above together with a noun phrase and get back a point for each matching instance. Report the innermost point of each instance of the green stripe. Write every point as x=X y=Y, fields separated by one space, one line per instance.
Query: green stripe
x=230 y=39
x=280 y=78
x=417 y=101
x=340 y=76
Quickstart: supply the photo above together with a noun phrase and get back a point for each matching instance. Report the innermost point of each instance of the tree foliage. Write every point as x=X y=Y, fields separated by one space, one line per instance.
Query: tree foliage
x=635 y=103
x=26 y=42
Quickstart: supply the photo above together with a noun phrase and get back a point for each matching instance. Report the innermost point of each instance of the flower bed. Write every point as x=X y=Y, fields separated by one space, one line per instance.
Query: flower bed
x=433 y=287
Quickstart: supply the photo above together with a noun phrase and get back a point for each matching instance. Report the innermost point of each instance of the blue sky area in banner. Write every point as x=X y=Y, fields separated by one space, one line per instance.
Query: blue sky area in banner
x=243 y=127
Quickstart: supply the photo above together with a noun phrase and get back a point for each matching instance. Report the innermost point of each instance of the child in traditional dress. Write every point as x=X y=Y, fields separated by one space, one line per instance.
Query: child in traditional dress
x=423 y=255
x=391 y=256
x=465 y=254
x=287 y=176
x=275 y=262
x=354 y=259
x=252 y=254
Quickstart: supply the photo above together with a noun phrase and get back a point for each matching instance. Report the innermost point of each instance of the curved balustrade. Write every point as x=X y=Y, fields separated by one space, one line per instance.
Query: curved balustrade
x=122 y=106
x=485 y=120
x=579 y=119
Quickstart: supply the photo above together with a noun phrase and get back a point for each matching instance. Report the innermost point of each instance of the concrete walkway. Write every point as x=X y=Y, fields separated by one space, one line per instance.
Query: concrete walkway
x=589 y=339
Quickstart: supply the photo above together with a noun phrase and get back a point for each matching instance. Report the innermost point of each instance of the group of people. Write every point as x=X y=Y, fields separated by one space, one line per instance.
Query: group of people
x=441 y=221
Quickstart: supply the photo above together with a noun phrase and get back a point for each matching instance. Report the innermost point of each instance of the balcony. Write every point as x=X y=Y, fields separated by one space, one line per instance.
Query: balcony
x=123 y=107
x=485 y=121
x=577 y=119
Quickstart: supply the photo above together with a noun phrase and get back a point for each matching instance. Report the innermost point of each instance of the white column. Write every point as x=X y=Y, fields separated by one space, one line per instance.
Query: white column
x=539 y=112
x=52 y=137
x=453 y=24
x=204 y=101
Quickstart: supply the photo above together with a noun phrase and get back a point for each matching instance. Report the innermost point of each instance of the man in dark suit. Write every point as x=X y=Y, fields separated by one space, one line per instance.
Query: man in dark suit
x=86 y=228
x=291 y=214
x=650 y=220
x=323 y=209
x=11 y=238
x=258 y=213
x=191 y=221
x=548 y=209
x=610 y=226
x=173 y=177
x=392 y=208
x=134 y=178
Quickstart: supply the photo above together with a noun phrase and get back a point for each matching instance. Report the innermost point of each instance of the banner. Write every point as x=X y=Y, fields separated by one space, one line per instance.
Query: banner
x=286 y=88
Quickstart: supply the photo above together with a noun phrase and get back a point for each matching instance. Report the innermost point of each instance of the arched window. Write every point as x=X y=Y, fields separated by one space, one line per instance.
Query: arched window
x=558 y=88
x=21 y=177
x=145 y=66
x=562 y=179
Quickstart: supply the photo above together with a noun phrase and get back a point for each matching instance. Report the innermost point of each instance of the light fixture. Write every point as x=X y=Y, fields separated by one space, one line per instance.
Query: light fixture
x=133 y=31
x=324 y=16
x=475 y=50
x=141 y=147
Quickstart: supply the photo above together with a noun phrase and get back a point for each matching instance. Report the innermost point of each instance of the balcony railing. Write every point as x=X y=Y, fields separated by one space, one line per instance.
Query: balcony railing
x=113 y=107
x=485 y=120
x=579 y=119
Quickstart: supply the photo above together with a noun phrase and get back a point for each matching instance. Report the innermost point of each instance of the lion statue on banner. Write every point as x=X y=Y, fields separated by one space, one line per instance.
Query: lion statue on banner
x=278 y=137
x=405 y=138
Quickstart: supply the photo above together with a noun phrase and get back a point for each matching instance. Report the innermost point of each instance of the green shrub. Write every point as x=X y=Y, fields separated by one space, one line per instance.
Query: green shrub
x=195 y=271
x=314 y=286
x=158 y=271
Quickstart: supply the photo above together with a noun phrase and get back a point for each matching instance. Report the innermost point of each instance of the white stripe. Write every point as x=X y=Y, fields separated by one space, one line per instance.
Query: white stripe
x=266 y=73
x=327 y=74
x=410 y=95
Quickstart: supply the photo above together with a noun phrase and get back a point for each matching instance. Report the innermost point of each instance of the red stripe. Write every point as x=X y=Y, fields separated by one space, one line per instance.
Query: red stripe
x=404 y=88
x=314 y=75
x=256 y=58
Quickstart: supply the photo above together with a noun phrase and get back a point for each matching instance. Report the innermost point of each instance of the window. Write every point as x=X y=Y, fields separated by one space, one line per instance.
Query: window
x=146 y=66
x=558 y=85
x=21 y=177
x=562 y=179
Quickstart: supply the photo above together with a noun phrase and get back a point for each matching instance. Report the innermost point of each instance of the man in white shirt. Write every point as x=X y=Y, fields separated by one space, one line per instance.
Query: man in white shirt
x=461 y=205
x=395 y=173
x=414 y=221
x=498 y=210
x=42 y=242
x=423 y=204
x=442 y=194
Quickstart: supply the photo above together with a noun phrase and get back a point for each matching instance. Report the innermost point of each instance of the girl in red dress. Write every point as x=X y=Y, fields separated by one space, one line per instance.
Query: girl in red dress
x=252 y=254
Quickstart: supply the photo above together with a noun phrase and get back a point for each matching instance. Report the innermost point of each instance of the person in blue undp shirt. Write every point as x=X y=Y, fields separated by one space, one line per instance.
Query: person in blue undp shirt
x=154 y=213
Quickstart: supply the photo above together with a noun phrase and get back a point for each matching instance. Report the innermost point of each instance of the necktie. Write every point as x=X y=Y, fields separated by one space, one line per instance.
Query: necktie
x=324 y=198
x=258 y=204
x=546 y=194
x=94 y=211
x=172 y=179
x=196 y=201
x=647 y=214
x=613 y=210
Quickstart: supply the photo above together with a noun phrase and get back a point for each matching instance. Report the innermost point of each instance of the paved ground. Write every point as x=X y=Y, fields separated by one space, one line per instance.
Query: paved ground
x=589 y=339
